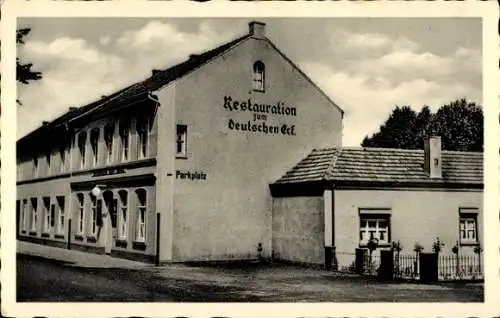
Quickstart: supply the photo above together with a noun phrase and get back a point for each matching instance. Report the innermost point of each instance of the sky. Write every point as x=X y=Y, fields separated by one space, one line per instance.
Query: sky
x=366 y=65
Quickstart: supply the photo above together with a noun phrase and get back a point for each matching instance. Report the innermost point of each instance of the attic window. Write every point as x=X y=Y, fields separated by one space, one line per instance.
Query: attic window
x=259 y=70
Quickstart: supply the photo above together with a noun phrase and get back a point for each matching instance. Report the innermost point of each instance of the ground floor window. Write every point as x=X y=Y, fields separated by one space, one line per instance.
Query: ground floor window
x=81 y=212
x=468 y=226
x=122 y=220
x=141 y=215
x=374 y=224
x=24 y=213
x=34 y=213
x=60 y=214
x=93 y=217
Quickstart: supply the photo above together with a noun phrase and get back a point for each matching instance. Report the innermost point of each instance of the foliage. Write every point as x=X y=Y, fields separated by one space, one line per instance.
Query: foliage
x=437 y=245
x=418 y=247
x=24 y=73
x=459 y=123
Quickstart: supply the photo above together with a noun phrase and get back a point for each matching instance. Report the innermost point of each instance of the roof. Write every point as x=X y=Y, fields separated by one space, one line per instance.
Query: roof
x=382 y=165
x=158 y=79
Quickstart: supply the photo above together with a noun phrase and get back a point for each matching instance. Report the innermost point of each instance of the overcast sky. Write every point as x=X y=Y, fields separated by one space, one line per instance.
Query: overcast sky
x=367 y=66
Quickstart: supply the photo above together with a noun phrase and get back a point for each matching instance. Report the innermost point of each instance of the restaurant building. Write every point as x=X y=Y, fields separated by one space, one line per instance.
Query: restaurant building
x=191 y=164
x=176 y=167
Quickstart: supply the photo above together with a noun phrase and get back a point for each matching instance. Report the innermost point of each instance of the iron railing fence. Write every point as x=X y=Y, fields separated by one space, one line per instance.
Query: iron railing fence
x=406 y=266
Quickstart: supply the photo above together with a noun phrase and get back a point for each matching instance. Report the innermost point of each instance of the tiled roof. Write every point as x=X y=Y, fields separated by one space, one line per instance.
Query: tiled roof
x=384 y=165
x=158 y=79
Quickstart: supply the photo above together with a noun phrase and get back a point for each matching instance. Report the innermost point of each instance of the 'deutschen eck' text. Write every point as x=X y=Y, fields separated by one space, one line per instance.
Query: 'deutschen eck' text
x=259 y=114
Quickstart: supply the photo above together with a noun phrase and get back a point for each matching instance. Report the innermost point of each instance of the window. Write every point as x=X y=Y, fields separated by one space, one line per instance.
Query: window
x=81 y=214
x=60 y=213
x=35 y=166
x=124 y=139
x=122 y=229
x=109 y=132
x=141 y=215
x=24 y=212
x=94 y=144
x=48 y=215
x=142 y=137
x=34 y=213
x=19 y=215
x=258 y=76
x=93 y=226
x=373 y=225
x=181 y=141
x=62 y=157
x=468 y=226
x=48 y=157
x=82 y=139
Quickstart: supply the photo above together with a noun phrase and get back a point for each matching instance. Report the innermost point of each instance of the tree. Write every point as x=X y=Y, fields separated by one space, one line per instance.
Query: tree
x=459 y=123
x=24 y=74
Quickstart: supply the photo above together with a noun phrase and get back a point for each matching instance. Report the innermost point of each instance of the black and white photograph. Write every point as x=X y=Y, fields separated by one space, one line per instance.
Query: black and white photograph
x=250 y=159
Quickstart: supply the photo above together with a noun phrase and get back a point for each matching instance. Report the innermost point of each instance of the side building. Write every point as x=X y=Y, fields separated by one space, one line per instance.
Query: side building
x=176 y=167
x=335 y=200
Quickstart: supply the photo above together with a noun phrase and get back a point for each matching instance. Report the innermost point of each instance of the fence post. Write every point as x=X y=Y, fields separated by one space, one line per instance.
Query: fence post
x=157 y=256
x=360 y=260
x=69 y=235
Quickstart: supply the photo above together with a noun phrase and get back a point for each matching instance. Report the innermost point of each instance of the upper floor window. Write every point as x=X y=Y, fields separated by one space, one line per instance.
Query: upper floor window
x=181 y=142
x=35 y=166
x=48 y=157
x=94 y=144
x=62 y=157
x=468 y=226
x=109 y=131
x=142 y=137
x=82 y=140
x=124 y=139
x=259 y=71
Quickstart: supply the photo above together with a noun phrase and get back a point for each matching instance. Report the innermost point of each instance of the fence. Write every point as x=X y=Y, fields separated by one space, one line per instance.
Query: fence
x=406 y=266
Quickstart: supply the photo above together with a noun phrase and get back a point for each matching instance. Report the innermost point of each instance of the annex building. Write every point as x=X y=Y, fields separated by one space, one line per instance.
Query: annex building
x=233 y=154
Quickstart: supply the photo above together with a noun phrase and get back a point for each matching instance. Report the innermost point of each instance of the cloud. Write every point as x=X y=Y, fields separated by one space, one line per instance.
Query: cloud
x=368 y=100
x=74 y=73
x=105 y=40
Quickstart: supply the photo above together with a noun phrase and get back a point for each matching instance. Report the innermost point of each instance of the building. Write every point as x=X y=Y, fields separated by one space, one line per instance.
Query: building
x=341 y=198
x=176 y=167
x=191 y=164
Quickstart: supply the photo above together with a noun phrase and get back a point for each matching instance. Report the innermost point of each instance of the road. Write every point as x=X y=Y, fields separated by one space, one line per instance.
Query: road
x=40 y=279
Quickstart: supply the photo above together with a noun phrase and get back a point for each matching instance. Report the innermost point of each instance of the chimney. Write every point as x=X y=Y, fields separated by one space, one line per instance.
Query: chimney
x=257 y=29
x=432 y=157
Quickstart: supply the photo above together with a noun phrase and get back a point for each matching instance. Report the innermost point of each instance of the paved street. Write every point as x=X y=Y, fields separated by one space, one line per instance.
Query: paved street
x=41 y=279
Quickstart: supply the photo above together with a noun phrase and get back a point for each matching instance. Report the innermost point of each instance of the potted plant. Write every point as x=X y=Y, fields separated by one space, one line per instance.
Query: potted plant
x=417 y=248
x=477 y=250
x=437 y=245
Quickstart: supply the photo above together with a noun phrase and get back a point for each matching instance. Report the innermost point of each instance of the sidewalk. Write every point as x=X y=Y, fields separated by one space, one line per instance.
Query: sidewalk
x=78 y=258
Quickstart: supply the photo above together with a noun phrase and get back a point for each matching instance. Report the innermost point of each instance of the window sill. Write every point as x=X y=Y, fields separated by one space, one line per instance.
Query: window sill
x=469 y=243
x=259 y=90
x=92 y=239
x=139 y=245
x=381 y=245
x=32 y=233
x=59 y=236
x=79 y=237
x=122 y=242
x=45 y=234
x=183 y=157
